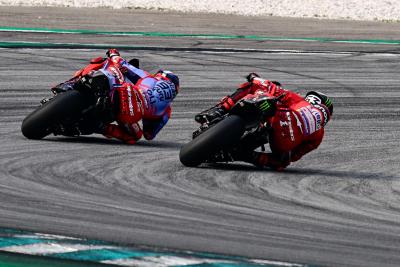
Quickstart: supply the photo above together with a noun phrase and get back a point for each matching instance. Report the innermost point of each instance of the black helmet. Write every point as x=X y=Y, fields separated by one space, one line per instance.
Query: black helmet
x=316 y=98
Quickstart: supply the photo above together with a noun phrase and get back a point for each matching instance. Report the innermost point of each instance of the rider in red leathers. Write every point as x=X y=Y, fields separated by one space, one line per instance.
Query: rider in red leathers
x=296 y=126
x=135 y=95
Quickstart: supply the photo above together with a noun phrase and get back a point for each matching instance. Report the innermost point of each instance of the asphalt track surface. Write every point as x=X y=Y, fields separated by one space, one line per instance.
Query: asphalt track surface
x=338 y=206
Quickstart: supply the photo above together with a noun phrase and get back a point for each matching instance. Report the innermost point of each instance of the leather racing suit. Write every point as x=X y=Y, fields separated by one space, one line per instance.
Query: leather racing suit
x=135 y=95
x=296 y=128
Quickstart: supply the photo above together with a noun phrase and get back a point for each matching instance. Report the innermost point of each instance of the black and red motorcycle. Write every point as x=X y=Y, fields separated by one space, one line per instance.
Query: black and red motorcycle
x=244 y=127
x=79 y=106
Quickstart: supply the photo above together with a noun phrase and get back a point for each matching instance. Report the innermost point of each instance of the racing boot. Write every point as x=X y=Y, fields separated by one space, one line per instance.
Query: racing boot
x=120 y=132
x=262 y=159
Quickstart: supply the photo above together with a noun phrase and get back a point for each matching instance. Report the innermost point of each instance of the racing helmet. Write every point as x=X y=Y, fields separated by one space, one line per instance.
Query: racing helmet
x=317 y=98
x=170 y=76
x=321 y=102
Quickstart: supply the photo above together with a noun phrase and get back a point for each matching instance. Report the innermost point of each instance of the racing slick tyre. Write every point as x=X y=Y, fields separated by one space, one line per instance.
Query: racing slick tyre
x=220 y=136
x=40 y=122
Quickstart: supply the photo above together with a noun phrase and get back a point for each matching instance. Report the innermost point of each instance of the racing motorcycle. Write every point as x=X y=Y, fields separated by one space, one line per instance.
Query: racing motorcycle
x=79 y=106
x=244 y=127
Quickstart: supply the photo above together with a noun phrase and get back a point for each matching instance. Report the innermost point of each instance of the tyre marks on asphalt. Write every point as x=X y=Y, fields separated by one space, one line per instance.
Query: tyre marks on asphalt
x=337 y=206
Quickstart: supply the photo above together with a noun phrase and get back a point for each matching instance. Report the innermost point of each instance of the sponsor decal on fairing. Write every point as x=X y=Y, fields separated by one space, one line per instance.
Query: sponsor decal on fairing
x=139 y=101
x=128 y=89
x=289 y=119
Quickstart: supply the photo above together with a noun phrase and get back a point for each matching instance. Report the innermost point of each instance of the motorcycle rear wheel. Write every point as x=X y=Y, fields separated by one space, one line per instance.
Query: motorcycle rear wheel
x=40 y=122
x=222 y=135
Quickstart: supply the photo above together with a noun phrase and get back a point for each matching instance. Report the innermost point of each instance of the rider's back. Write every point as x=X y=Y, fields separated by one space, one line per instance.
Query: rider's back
x=298 y=125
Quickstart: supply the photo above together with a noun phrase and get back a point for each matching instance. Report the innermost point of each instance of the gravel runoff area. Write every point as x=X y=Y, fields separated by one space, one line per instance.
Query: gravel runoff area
x=382 y=10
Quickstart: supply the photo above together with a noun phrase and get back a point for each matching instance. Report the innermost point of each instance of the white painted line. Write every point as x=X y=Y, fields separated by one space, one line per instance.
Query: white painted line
x=50 y=248
x=47 y=236
x=52 y=244
x=162 y=261
x=278 y=263
x=133 y=262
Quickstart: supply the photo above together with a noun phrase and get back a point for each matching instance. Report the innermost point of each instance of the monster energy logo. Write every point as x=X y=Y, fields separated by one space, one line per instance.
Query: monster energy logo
x=265 y=106
x=328 y=102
